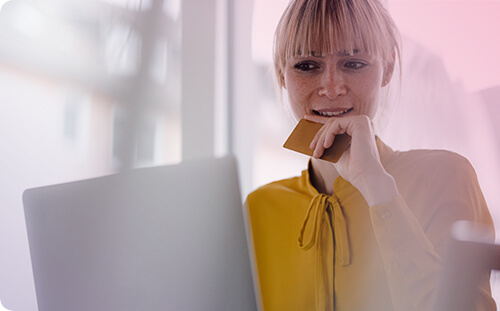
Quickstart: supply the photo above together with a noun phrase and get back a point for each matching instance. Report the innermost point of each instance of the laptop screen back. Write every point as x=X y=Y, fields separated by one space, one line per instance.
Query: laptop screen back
x=162 y=238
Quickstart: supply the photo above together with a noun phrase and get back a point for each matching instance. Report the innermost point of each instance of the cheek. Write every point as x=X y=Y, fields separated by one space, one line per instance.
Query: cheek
x=296 y=98
x=292 y=84
x=296 y=89
x=300 y=87
x=368 y=93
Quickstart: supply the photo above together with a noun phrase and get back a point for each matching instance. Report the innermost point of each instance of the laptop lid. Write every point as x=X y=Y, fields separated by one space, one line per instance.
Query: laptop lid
x=161 y=238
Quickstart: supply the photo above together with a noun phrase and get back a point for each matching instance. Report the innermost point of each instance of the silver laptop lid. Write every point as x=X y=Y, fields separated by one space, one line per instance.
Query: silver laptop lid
x=162 y=238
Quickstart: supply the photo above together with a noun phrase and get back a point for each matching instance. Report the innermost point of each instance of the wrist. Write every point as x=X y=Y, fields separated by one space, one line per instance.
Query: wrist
x=378 y=189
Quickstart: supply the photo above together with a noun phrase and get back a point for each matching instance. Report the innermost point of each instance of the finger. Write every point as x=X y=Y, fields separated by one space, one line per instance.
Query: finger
x=325 y=136
x=318 y=143
x=312 y=146
x=352 y=125
x=329 y=139
x=318 y=151
x=316 y=119
x=316 y=138
x=339 y=126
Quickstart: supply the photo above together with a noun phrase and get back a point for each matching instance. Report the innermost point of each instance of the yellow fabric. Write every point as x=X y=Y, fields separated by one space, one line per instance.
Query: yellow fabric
x=320 y=204
x=377 y=258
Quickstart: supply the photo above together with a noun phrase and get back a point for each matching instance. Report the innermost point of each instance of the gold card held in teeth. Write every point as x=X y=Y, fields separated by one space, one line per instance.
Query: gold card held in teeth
x=303 y=134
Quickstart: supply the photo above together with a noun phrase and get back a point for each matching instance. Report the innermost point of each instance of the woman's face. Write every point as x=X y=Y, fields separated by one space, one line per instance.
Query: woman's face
x=335 y=84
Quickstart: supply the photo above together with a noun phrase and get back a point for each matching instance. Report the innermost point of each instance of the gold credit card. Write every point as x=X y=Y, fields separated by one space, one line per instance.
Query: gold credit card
x=303 y=134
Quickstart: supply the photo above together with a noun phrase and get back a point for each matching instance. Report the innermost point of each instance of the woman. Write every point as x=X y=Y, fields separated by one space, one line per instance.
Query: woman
x=372 y=227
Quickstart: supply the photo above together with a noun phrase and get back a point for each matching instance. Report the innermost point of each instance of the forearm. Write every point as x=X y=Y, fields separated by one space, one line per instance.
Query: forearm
x=411 y=263
x=377 y=188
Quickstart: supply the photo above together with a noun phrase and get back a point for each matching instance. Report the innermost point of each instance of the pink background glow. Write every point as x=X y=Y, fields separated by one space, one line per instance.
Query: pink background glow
x=463 y=33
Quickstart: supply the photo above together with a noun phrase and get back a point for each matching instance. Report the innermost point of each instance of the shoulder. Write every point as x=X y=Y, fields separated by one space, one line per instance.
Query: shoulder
x=434 y=164
x=285 y=193
x=427 y=177
x=438 y=181
x=280 y=205
x=275 y=189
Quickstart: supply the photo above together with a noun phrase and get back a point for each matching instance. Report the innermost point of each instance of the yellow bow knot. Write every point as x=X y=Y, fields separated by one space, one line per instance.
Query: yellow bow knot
x=316 y=213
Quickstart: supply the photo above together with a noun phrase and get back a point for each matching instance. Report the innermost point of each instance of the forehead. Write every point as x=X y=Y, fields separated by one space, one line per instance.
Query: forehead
x=338 y=51
x=329 y=40
x=310 y=29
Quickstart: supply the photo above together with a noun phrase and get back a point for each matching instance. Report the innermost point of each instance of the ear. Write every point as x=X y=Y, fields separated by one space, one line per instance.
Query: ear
x=282 y=80
x=388 y=71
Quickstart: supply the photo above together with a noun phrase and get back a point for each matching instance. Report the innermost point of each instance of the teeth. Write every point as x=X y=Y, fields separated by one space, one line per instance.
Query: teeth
x=333 y=113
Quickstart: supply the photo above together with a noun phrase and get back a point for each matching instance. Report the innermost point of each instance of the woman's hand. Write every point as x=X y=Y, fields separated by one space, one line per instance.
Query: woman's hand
x=360 y=164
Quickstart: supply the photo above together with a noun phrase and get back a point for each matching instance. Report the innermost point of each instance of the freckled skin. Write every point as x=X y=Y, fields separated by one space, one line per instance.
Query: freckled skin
x=334 y=82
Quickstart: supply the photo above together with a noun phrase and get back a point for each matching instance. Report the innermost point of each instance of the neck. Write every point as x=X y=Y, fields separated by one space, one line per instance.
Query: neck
x=323 y=174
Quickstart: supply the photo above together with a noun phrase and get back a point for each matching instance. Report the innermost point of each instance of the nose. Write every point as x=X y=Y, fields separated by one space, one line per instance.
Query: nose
x=332 y=84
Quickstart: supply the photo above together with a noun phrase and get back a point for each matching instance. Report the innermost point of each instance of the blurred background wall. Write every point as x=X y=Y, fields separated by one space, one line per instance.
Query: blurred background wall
x=91 y=87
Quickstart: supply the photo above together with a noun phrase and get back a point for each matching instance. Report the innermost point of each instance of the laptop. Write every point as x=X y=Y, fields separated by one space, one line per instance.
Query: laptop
x=469 y=259
x=160 y=238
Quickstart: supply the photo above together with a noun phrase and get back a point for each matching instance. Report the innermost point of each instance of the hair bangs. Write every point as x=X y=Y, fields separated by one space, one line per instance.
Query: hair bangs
x=324 y=27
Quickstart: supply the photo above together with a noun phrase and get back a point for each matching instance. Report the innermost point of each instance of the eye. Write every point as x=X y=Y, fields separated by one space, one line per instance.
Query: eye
x=355 y=65
x=306 y=66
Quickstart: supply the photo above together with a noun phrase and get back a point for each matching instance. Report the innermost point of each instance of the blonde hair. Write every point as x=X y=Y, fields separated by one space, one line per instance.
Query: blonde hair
x=323 y=27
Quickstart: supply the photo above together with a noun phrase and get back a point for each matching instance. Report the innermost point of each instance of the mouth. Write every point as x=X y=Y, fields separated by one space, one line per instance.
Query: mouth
x=330 y=113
